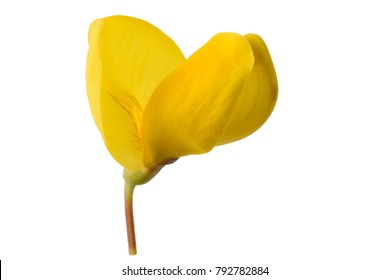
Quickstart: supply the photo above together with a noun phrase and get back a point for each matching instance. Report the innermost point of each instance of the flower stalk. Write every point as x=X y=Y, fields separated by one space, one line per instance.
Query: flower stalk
x=129 y=191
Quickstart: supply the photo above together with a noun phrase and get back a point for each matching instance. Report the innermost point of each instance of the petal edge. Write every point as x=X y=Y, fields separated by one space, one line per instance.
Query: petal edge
x=258 y=97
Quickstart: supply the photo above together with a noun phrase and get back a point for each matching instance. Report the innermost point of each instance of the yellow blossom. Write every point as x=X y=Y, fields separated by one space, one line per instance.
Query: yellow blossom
x=153 y=106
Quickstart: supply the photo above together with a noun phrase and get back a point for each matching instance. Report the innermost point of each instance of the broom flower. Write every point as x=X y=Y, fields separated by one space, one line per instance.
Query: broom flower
x=153 y=106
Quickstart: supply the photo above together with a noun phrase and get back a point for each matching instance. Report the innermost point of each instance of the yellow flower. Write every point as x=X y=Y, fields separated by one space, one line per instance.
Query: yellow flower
x=152 y=105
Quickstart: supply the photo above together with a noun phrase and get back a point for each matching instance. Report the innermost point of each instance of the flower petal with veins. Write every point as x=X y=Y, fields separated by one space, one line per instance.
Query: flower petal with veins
x=127 y=59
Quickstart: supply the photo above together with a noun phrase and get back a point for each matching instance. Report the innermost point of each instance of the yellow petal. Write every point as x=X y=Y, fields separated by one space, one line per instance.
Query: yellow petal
x=258 y=97
x=189 y=110
x=127 y=59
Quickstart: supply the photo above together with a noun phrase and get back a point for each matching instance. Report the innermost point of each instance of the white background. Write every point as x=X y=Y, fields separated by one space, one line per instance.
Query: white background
x=307 y=194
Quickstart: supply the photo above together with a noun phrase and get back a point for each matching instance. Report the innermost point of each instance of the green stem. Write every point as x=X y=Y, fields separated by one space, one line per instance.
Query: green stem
x=132 y=179
x=129 y=190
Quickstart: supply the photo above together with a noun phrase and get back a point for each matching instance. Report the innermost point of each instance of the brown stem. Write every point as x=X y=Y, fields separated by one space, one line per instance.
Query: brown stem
x=129 y=190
